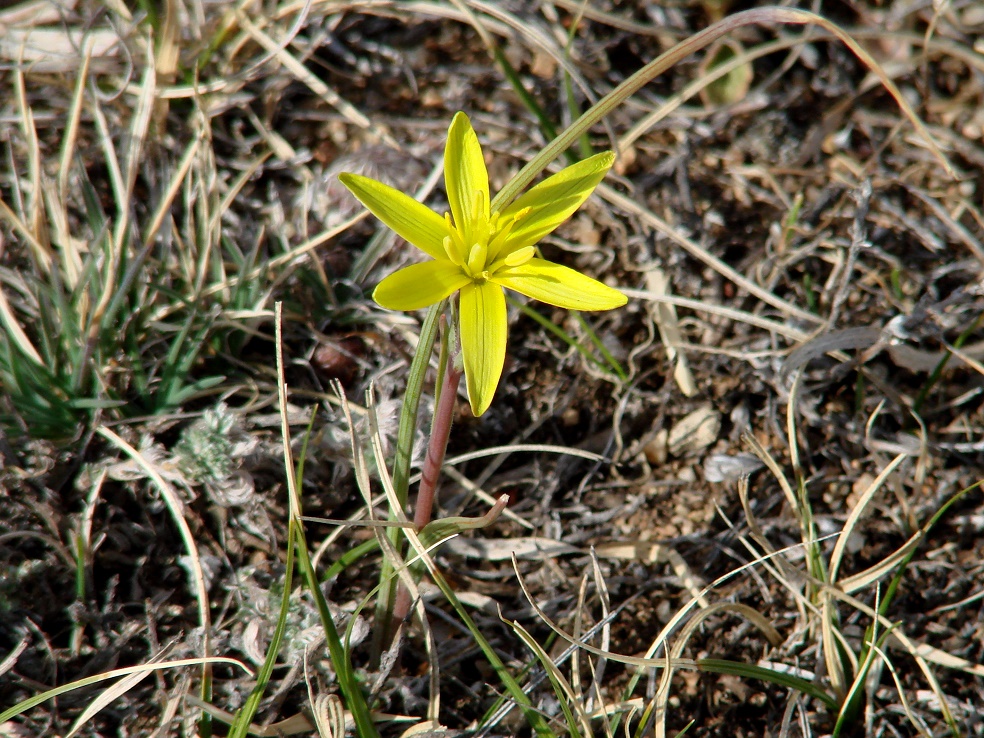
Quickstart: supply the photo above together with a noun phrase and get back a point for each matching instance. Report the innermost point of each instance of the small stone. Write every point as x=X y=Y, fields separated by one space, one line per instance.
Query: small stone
x=655 y=450
x=973 y=15
x=338 y=360
x=730 y=468
x=696 y=431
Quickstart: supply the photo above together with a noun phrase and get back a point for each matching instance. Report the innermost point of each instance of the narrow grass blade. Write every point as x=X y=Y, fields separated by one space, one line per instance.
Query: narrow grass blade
x=578 y=725
x=751 y=671
x=668 y=59
x=559 y=332
x=355 y=699
x=244 y=716
x=31 y=702
x=533 y=718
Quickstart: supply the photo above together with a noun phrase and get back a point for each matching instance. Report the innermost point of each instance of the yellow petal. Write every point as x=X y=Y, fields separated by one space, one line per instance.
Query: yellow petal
x=483 y=341
x=553 y=201
x=465 y=177
x=557 y=285
x=420 y=285
x=415 y=222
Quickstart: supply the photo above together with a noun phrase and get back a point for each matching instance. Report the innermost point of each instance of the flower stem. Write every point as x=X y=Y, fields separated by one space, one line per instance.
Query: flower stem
x=431 y=472
x=383 y=635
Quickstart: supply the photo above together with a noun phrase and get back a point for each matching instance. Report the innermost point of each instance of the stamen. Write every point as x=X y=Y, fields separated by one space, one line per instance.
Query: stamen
x=519 y=257
x=481 y=206
x=454 y=247
x=499 y=239
x=476 y=259
x=449 y=250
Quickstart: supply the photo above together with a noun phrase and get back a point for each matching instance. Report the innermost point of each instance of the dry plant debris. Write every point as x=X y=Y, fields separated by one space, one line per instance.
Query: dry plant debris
x=793 y=392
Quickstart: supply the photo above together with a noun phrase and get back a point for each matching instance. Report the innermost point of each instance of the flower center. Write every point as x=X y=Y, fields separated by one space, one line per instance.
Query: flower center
x=477 y=247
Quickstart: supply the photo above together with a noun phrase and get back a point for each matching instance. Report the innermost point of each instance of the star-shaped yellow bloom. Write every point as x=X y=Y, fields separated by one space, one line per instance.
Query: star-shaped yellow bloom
x=478 y=252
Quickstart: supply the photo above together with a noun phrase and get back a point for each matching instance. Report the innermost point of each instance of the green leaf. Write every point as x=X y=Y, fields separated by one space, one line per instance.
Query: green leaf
x=752 y=671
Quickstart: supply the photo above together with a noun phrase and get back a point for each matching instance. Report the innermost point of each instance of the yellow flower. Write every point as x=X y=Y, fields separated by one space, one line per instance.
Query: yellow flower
x=478 y=252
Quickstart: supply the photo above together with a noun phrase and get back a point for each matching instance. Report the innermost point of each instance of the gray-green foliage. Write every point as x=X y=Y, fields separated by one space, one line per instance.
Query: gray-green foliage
x=211 y=452
x=204 y=452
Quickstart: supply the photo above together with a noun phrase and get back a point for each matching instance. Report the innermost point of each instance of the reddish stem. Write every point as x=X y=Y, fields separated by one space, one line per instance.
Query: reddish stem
x=431 y=473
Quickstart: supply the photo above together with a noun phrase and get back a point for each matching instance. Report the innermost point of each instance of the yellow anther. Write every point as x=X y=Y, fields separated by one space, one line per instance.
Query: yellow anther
x=476 y=259
x=481 y=206
x=523 y=255
x=499 y=239
x=454 y=247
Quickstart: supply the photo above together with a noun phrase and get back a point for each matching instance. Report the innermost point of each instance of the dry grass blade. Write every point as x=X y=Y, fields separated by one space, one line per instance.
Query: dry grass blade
x=288 y=258
x=883 y=568
x=674 y=102
x=114 y=674
x=177 y=180
x=33 y=209
x=134 y=155
x=645 y=662
x=168 y=57
x=72 y=123
x=527 y=448
x=69 y=249
x=571 y=702
x=598 y=667
x=41 y=252
x=537 y=39
x=35 y=13
x=628 y=205
x=10 y=660
x=170 y=173
x=177 y=509
x=775 y=560
x=837 y=556
x=759 y=450
x=913 y=718
x=55 y=49
x=665 y=316
x=661 y=702
x=656 y=553
x=317 y=86
x=921 y=653
x=111 y=694
x=294 y=499
x=739 y=316
x=13 y=328
x=832 y=641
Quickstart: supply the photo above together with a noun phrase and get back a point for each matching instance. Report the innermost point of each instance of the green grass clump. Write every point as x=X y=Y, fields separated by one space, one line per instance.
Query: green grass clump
x=114 y=303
